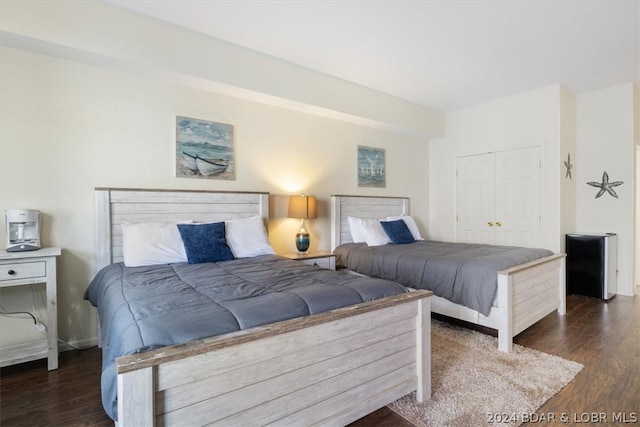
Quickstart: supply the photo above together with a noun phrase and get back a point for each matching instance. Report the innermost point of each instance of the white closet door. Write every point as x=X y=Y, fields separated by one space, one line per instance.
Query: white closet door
x=518 y=198
x=499 y=198
x=475 y=198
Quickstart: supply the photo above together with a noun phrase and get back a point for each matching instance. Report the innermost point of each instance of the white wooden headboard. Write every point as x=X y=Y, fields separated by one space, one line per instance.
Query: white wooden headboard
x=368 y=207
x=117 y=205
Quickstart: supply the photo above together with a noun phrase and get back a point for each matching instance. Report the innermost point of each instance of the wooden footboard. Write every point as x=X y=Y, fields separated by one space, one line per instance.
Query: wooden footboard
x=527 y=293
x=326 y=369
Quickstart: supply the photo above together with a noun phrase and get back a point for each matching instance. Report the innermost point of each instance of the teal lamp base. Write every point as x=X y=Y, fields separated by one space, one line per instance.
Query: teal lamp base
x=302 y=242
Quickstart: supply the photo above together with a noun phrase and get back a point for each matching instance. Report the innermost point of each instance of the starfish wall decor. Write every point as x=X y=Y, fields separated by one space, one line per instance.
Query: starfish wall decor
x=568 y=165
x=605 y=185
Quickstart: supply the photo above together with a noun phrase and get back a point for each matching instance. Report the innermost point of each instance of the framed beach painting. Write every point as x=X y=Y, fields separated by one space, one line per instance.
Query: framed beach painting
x=371 y=167
x=204 y=149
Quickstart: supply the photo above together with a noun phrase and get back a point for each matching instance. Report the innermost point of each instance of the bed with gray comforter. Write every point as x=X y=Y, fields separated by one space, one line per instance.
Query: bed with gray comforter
x=463 y=273
x=145 y=308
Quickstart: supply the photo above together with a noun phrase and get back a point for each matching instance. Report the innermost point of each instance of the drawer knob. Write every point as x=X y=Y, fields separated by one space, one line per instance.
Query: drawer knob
x=11 y=272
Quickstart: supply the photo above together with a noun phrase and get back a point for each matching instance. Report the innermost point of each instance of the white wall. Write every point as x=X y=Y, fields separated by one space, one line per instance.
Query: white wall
x=568 y=150
x=523 y=120
x=605 y=135
x=96 y=32
x=67 y=127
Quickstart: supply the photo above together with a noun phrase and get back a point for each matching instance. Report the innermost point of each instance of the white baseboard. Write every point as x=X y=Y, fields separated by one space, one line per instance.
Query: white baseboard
x=24 y=352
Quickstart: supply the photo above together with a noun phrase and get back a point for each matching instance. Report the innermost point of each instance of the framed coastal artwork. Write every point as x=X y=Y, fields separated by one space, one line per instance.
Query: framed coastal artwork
x=372 y=170
x=204 y=149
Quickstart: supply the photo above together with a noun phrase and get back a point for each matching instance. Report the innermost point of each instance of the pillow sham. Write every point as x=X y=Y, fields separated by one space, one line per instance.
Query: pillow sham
x=374 y=234
x=398 y=232
x=152 y=243
x=205 y=242
x=247 y=237
x=356 y=229
x=411 y=224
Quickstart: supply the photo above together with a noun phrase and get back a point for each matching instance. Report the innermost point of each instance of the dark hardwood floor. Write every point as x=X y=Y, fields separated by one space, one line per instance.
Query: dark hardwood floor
x=603 y=336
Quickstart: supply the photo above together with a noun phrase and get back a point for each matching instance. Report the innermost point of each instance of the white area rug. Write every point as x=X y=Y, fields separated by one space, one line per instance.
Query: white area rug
x=474 y=384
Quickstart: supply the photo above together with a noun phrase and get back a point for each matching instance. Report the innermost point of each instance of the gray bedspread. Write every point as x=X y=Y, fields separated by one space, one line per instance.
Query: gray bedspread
x=463 y=273
x=144 y=308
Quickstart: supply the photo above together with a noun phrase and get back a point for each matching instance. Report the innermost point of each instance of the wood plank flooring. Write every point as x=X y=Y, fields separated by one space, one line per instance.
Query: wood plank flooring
x=603 y=336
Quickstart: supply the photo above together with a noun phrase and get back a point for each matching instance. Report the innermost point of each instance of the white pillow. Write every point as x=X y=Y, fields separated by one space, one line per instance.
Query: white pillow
x=411 y=224
x=152 y=243
x=247 y=237
x=356 y=229
x=374 y=234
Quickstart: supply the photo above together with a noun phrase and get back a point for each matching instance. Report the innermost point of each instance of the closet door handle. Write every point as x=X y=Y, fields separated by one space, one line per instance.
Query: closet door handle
x=490 y=224
x=499 y=224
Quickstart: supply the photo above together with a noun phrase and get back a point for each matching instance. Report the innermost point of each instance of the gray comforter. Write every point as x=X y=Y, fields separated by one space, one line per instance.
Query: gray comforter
x=463 y=273
x=144 y=308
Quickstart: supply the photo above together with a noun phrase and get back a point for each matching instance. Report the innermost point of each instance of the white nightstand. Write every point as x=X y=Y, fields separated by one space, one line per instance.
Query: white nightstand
x=318 y=259
x=28 y=268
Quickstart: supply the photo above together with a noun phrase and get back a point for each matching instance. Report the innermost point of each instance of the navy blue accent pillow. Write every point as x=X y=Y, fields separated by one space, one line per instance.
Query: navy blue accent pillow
x=205 y=242
x=397 y=231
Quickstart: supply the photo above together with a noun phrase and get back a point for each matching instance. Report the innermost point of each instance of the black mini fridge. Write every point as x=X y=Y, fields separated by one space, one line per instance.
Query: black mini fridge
x=591 y=265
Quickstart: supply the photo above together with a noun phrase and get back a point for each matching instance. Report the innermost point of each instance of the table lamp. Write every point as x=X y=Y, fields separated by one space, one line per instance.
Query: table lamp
x=303 y=207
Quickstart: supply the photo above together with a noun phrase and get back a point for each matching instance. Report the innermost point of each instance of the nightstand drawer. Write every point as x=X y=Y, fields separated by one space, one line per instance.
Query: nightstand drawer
x=327 y=262
x=23 y=270
x=316 y=258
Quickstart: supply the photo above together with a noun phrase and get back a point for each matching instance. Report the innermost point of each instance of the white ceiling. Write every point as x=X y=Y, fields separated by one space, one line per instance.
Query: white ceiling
x=442 y=54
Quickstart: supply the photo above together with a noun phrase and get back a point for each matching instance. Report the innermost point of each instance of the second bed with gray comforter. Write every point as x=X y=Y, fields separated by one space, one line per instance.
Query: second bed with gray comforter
x=463 y=273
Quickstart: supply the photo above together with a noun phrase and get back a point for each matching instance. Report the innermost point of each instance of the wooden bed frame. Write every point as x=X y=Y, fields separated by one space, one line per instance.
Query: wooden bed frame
x=327 y=369
x=526 y=293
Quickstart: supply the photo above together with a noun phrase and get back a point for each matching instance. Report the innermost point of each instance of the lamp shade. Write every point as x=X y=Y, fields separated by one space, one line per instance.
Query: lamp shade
x=303 y=207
